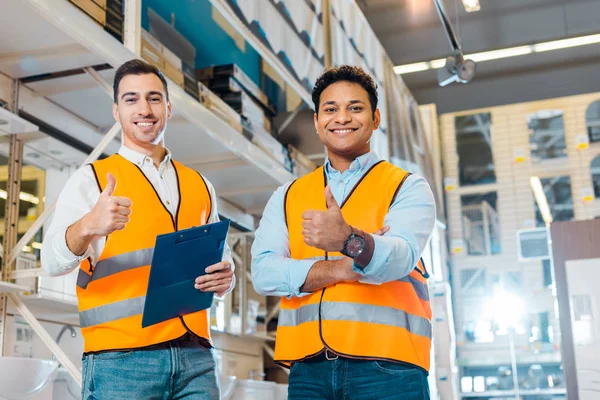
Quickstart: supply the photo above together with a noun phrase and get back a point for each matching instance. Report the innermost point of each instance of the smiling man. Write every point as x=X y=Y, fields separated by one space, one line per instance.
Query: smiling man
x=342 y=246
x=106 y=221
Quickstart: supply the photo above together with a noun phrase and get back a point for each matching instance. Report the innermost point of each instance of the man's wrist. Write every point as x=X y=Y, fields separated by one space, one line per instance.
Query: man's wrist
x=348 y=230
x=364 y=258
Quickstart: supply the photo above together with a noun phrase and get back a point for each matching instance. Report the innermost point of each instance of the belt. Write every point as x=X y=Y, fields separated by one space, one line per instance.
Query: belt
x=326 y=355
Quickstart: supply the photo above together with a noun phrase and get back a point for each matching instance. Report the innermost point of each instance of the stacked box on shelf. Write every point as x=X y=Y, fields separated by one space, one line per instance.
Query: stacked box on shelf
x=154 y=52
x=223 y=110
x=229 y=81
x=279 y=152
x=190 y=83
x=301 y=164
x=108 y=13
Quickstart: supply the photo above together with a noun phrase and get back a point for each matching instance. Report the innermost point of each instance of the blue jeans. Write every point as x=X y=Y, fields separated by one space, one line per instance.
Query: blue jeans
x=182 y=369
x=348 y=379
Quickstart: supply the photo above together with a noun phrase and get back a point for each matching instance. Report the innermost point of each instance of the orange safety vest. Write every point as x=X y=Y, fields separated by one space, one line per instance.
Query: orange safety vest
x=111 y=294
x=391 y=321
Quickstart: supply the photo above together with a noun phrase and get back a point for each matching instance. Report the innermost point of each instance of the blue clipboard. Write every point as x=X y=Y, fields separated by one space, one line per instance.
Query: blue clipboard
x=178 y=259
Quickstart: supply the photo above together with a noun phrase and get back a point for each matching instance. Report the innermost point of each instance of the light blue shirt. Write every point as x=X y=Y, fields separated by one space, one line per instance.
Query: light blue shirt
x=411 y=219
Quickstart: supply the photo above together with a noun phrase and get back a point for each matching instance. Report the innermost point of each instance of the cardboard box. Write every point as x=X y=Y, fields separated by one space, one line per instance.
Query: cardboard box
x=214 y=103
x=171 y=58
x=173 y=73
x=233 y=71
x=114 y=6
x=114 y=26
x=190 y=83
x=150 y=55
x=152 y=50
x=110 y=18
x=92 y=9
x=302 y=165
x=245 y=105
x=152 y=43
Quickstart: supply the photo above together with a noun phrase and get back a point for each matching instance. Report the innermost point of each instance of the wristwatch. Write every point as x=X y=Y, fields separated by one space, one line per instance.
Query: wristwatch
x=353 y=246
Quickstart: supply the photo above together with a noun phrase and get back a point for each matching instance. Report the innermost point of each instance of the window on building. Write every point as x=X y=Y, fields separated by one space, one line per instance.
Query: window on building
x=474 y=148
x=592 y=121
x=560 y=201
x=595 y=170
x=546 y=135
x=481 y=223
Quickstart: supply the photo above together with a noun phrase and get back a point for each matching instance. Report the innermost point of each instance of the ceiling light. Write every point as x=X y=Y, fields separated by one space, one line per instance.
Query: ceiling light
x=498 y=54
x=471 y=5
x=23 y=196
x=541 y=200
x=566 y=43
x=435 y=64
x=406 y=69
x=502 y=53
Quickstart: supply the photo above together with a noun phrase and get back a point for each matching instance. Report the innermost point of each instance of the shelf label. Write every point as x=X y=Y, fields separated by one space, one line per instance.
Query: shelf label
x=449 y=183
x=587 y=195
x=457 y=246
x=519 y=155
x=582 y=142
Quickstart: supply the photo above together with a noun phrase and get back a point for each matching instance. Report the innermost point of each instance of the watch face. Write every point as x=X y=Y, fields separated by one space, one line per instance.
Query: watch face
x=355 y=246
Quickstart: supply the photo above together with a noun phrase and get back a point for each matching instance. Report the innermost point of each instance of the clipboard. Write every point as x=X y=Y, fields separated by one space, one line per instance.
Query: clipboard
x=179 y=258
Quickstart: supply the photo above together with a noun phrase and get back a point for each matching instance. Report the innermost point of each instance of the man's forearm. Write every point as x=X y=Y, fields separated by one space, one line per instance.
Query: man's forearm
x=77 y=237
x=326 y=273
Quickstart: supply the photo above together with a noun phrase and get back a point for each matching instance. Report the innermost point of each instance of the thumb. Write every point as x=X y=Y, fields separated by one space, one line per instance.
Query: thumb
x=330 y=200
x=111 y=184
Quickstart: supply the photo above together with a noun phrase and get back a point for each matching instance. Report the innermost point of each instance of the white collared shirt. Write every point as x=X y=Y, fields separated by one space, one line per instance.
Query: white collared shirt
x=79 y=196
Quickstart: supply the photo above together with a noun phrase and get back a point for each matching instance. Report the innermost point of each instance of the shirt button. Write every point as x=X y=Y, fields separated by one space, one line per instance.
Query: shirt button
x=147 y=160
x=168 y=202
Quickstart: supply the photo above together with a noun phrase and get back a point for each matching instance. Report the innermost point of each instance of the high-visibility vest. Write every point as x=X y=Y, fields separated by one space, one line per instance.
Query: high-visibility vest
x=111 y=294
x=391 y=321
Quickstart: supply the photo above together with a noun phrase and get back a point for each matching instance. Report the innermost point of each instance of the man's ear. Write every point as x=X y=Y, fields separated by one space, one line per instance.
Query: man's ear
x=376 y=118
x=115 y=112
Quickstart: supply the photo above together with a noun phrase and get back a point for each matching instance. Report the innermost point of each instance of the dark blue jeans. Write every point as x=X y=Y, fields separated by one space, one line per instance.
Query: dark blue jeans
x=347 y=379
x=184 y=369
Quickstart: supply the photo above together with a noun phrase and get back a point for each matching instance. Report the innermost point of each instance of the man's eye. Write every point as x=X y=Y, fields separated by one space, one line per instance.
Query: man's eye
x=356 y=108
x=129 y=100
x=329 y=109
x=155 y=99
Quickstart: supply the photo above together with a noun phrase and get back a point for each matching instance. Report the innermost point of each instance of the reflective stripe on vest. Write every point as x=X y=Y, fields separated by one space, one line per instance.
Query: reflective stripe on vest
x=116 y=264
x=112 y=312
x=338 y=311
x=389 y=321
x=111 y=294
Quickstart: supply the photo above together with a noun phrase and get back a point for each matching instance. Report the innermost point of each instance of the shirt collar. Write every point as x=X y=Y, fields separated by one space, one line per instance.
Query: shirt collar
x=141 y=159
x=360 y=163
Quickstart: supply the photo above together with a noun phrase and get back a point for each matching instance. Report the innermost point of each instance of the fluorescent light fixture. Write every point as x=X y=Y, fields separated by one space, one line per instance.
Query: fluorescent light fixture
x=540 y=198
x=435 y=64
x=408 y=68
x=36 y=245
x=471 y=5
x=498 y=54
x=502 y=53
x=23 y=196
x=566 y=43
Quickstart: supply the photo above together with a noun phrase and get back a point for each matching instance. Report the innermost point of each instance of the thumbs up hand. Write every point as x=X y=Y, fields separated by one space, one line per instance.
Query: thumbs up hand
x=326 y=230
x=111 y=213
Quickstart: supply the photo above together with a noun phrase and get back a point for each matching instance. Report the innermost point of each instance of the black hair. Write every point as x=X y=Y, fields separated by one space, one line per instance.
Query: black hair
x=345 y=73
x=136 y=67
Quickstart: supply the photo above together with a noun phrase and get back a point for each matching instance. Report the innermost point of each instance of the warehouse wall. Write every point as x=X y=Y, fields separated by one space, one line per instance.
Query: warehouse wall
x=516 y=203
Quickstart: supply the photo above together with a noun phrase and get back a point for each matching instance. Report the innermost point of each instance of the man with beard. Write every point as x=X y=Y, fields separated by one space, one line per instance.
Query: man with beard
x=106 y=221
